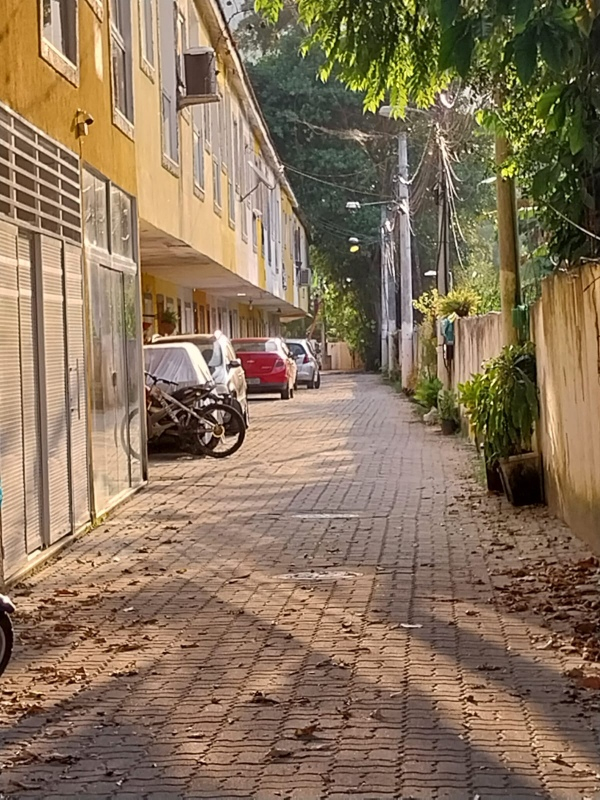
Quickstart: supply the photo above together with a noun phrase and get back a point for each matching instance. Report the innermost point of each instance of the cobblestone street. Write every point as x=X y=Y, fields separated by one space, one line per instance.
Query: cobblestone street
x=320 y=616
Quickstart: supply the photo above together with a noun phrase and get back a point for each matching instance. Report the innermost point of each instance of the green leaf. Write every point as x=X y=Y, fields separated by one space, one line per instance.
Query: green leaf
x=464 y=53
x=547 y=100
x=448 y=12
x=526 y=55
x=522 y=13
x=557 y=119
x=577 y=133
x=447 y=46
x=552 y=49
x=539 y=186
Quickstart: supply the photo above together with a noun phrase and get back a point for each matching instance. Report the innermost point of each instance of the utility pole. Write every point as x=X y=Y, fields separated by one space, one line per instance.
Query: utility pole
x=508 y=240
x=384 y=291
x=443 y=264
x=406 y=294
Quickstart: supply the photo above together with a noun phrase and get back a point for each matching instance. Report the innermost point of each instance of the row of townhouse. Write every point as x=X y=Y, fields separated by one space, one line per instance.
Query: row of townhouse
x=137 y=176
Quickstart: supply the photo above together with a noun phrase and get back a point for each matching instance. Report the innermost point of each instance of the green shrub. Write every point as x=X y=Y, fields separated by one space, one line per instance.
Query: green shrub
x=427 y=391
x=447 y=405
x=460 y=302
x=502 y=402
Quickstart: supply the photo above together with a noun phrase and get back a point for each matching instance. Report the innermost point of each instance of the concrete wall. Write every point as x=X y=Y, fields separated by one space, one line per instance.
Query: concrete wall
x=566 y=330
x=476 y=340
x=565 y=325
x=341 y=357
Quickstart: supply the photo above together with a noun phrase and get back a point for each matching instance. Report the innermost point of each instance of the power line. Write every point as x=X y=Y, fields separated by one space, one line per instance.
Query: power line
x=335 y=185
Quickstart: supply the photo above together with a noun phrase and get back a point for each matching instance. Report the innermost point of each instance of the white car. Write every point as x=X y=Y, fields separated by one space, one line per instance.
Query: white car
x=176 y=362
x=225 y=367
x=309 y=371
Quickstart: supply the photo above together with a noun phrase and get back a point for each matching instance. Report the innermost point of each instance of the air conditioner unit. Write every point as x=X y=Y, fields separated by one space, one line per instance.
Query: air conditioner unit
x=200 y=78
x=304 y=277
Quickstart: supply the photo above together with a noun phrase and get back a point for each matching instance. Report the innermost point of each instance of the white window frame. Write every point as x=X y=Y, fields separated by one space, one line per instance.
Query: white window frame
x=59 y=60
x=147 y=8
x=167 y=21
x=198 y=150
x=121 y=39
x=181 y=44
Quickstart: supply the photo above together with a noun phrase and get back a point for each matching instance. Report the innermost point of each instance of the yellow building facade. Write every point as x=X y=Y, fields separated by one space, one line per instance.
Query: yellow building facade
x=70 y=362
x=123 y=196
x=211 y=189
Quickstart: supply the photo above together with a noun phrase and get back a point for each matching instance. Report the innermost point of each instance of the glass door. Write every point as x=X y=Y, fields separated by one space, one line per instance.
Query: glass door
x=116 y=429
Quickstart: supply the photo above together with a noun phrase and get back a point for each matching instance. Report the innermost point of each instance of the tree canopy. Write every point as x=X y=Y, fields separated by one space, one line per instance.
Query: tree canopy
x=531 y=68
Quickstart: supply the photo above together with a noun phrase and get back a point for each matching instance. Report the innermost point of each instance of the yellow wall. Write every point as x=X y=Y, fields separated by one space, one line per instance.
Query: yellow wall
x=166 y=196
x=288 y=253
x=34 y=89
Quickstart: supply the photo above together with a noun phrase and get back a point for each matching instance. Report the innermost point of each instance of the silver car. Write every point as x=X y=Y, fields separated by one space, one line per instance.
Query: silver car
x=225 y=367
x=309 y=371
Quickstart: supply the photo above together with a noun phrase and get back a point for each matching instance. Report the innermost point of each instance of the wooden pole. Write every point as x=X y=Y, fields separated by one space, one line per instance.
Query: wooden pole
x=508 y=240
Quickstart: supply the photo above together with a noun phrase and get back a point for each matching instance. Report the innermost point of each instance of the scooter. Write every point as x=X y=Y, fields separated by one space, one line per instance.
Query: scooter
x=6 y=630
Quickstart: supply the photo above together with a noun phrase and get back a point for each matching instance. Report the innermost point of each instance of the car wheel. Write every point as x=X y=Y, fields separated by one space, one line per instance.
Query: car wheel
x=287 y=393
x=318 y=381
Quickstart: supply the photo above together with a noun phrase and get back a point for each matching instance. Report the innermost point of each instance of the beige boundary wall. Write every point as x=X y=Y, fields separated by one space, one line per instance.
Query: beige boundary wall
x=566 y=329
x=565 y=325
x=342 y=359
x=476 y=339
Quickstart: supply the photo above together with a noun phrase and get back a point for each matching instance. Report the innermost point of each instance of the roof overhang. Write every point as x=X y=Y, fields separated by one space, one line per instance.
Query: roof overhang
x=172 y=260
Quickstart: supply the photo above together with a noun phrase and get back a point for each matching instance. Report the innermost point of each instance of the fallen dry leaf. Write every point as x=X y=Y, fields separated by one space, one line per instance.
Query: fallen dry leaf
x=308 y=732
x=260 y=698
x=126 y=672
x=279 y=752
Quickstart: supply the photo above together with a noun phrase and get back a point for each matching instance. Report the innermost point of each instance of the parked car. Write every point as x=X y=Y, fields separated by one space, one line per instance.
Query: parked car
x=225 y=367
x=309 y=372
x=178 y=362
x=269 y=366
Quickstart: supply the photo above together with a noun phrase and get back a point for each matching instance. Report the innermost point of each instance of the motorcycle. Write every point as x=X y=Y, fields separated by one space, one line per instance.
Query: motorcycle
x=6 y=630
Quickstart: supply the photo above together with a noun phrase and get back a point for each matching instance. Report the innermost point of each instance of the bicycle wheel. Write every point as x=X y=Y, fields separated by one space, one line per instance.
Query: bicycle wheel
x=220 y=431
x=126 y=427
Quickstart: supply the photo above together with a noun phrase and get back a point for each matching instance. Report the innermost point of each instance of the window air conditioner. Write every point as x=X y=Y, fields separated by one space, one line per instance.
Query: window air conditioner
x=200 y=79
x=304 y=278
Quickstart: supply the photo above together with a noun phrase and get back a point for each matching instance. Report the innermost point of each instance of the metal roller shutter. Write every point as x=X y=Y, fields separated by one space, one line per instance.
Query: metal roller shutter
x=77 y=385
x=11 y=428
x=30 y=394
x=55 y=385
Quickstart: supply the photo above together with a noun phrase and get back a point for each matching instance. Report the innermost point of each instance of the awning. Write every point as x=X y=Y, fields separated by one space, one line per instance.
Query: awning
x=173 y=260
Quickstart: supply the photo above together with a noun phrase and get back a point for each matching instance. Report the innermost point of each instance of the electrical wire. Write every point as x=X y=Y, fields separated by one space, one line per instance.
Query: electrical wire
x=337 y=185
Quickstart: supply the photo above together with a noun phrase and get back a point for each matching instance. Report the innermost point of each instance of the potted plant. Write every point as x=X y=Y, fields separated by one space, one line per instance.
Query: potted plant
x=503 y=406
x=168 y=322
x=474 y=396
x=448 y=411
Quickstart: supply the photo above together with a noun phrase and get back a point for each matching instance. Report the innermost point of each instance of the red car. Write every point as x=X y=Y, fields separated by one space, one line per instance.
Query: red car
x=269 y=366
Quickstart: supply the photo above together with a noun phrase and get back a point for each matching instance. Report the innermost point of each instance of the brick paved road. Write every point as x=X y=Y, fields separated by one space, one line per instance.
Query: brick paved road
x=314 y=618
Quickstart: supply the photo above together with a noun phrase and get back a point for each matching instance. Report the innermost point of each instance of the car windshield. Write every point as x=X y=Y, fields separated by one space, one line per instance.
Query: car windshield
x=269 y=346
x=296 y=349
x=213 y=355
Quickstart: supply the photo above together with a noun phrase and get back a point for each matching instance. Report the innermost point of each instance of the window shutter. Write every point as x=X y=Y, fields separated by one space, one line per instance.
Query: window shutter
x=11 y=424
x=55 y=385
x=77 y=385
x=30 y=393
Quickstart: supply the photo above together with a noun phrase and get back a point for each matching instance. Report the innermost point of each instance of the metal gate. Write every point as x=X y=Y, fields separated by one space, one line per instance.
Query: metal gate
x=43 y=418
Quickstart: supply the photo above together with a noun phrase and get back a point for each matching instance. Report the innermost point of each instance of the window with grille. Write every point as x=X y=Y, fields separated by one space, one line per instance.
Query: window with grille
x=120 y=35
x=39 y=179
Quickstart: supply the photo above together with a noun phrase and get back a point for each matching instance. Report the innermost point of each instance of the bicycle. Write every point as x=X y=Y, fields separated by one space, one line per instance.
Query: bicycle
x=202 y=423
